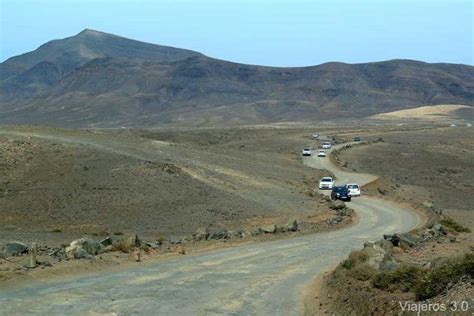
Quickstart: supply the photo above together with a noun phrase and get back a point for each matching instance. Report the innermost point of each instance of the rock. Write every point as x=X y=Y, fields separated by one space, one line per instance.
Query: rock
x=14 y=248
x=175 y=240
x=201 y=234
x=338 y=205
x=218 y=233
x=292 y=227
x=428 y=204
x=83 y=248
x=409 y=240
x=439 y=229
x=77 y=252
x=379 y=258
x=106 y=242
x=57 y=252
x=153 y=245
x=270 y=229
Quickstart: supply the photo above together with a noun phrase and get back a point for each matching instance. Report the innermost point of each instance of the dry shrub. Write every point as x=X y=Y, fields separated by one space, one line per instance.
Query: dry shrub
x=160 y=238
x=363 y=272
x=180 y=249
x=356 y=257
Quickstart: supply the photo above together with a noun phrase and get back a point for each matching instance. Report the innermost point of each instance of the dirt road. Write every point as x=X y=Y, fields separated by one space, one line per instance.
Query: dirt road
x=263 y=278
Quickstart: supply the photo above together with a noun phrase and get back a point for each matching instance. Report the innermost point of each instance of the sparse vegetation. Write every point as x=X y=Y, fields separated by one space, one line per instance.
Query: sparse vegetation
x=425 y=283
x=355 y=258
x=452 y=224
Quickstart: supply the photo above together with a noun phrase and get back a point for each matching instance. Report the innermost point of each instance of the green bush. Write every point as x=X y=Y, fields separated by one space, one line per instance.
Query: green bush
x=450 y=223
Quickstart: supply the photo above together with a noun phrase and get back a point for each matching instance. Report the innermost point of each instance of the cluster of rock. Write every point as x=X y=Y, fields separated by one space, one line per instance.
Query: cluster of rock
x=88 y=248
x=435 y=232
x=224 y=234
x=342 y=211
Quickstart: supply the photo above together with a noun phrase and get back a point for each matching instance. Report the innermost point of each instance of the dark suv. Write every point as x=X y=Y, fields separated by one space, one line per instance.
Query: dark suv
x=341 y=193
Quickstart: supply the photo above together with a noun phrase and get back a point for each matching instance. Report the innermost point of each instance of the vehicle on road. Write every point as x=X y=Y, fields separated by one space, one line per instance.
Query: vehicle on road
x=306 y=152
x=357 y=139
x=326 y=183
x=341 y=193
x=326 y=145
x=353 y=188
x=322 y=153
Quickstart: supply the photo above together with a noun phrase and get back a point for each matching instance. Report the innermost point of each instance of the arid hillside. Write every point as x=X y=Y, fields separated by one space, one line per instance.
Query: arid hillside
x=99 y=79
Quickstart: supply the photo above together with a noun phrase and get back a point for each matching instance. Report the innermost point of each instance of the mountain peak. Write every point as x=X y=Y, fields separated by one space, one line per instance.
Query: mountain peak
x=90 y=32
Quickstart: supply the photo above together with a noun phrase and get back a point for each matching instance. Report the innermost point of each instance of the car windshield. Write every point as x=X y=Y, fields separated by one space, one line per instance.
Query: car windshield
x=306 y=149
x=339 y=189
x=352 y=186
x=326 y=179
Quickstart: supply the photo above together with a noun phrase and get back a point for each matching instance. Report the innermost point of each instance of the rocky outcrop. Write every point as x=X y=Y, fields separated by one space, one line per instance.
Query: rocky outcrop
x=13 y=249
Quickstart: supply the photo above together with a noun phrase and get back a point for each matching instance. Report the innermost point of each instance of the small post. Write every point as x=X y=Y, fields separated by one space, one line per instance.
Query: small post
x=33 y=255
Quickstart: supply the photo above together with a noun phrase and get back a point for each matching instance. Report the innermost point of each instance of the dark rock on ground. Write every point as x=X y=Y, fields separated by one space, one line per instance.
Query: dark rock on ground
x=14 y=249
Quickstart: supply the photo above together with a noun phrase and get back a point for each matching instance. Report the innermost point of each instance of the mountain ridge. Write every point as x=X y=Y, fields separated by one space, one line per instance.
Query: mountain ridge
x=100 y=79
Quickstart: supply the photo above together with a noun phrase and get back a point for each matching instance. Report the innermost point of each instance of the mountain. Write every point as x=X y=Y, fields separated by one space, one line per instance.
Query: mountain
x=99 y=79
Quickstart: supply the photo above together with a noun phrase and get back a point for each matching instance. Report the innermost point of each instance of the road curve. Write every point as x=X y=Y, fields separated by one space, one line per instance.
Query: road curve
x=262 y=278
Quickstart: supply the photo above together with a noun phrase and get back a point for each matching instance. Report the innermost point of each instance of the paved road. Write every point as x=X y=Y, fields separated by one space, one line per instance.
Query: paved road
x=259 y=279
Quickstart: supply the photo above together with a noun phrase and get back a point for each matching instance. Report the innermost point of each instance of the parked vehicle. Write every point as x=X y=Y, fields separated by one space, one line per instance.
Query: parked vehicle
x=326 y=183
x=326 y=145
x=357 y=139
x=306 y=152
x=341 y=193
x=322 y=153
x=353 y=188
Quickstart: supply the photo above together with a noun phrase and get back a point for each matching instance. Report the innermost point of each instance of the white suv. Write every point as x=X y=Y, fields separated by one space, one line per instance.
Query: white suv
x=321 y=153
x=326 y=183
x=306 y=152
x=326 y=145
x=353 y=188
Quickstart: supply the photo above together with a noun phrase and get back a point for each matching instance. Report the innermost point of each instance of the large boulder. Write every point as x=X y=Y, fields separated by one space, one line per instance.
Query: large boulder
x=83 y=248
x=379 y=256
x=14 y=248
x=269 y=229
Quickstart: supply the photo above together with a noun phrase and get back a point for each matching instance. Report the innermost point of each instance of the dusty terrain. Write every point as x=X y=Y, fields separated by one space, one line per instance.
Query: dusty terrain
x=75 y=182
x=428 y=169
x=59 y=185
x=432 y=113
x=256 y=278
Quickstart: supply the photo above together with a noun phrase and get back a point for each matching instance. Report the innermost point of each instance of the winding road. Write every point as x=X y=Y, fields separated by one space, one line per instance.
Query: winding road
x=258 y=279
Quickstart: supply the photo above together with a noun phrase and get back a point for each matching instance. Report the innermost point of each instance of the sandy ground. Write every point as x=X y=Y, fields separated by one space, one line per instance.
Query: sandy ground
x=429 y=113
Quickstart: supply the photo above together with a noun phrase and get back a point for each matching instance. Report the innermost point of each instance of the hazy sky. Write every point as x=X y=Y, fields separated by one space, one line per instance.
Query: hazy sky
x=266 y=32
